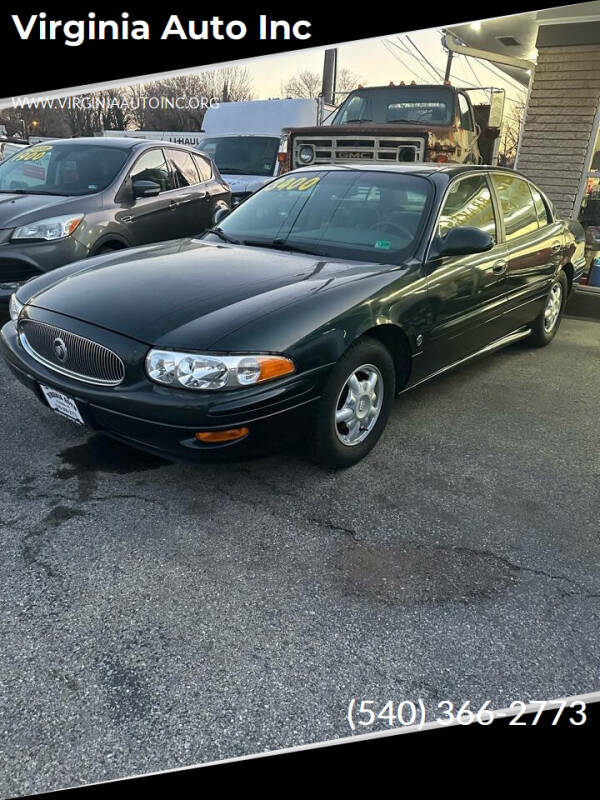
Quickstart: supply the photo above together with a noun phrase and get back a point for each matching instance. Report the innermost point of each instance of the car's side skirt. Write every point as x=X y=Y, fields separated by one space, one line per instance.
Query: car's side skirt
x=489 y=348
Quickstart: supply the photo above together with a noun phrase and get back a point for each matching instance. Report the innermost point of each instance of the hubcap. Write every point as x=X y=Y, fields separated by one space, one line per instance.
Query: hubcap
x=553 y=306
x=358 y=405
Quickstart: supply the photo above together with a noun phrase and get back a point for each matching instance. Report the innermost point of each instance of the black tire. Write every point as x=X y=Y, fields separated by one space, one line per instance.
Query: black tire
x=327 y=446
x=541 y=333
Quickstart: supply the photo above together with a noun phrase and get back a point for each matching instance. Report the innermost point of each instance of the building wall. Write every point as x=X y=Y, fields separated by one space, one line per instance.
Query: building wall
x=563 y=102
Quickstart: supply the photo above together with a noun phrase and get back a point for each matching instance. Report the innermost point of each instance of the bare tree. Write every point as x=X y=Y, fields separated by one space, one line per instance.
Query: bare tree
x=308 y=84
x=177 y=103
x=303 y=84
x=512 y=126
x=346 y=80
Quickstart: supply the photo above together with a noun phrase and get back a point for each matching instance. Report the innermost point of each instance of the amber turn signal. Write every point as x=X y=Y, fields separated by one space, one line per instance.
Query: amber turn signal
x=222 y=436
x=274 y=367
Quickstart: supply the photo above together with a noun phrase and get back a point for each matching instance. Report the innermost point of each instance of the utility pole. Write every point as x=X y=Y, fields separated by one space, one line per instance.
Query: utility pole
x=448 y=65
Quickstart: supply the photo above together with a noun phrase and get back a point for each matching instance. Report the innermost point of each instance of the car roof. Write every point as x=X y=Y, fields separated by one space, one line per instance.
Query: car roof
x=411 y=168
x=122 y=142
x=95 y=141
x=236 y=134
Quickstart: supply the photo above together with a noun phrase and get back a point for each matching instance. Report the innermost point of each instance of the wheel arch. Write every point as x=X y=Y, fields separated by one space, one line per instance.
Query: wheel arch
x=569 y=271
x=112 y=239
x=397 y=343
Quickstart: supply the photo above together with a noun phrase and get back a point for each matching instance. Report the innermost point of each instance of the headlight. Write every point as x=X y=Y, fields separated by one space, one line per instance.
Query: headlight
x=49 y=229
x=14 y=307
x=306 y=154
x=195 y=371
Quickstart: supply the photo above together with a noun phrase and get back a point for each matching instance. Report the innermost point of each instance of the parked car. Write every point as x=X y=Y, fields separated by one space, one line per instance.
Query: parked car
x=67 y=199
x=246 y=161
x=306 y=310
x=8 y=147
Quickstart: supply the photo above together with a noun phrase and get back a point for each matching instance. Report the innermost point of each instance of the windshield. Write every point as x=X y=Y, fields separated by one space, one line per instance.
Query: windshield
x=349 y=214
x=426 y=105
x=66 y=168
x=242 y=155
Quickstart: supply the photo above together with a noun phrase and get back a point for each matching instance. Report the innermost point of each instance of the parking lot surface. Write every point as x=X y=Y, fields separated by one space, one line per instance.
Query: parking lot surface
x=157 y=615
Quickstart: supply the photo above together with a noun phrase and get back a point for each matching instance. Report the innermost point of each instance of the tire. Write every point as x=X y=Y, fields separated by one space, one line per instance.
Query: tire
x=544 y=327
x=340 y=444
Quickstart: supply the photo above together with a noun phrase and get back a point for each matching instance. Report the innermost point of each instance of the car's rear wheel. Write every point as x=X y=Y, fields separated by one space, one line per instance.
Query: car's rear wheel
x=355 y=404
x=546 y=324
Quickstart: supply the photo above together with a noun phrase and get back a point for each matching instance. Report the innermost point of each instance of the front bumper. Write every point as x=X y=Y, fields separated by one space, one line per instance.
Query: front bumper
x=164 y=421
x=20 y=262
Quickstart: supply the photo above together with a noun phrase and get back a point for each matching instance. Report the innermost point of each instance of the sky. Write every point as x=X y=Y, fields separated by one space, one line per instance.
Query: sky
x=379 y=61
x=375 y=61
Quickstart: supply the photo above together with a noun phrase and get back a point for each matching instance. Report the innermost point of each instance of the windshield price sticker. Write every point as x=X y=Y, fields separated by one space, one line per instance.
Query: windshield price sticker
x=33 y=153
x=292 y=184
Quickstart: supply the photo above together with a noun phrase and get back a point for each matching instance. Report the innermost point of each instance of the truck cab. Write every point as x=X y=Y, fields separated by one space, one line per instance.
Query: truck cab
x=397 y=123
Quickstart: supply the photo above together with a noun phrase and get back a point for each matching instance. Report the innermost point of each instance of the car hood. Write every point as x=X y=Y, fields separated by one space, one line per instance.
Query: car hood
x=189 y=293
x=241 y=184
x=20 y=209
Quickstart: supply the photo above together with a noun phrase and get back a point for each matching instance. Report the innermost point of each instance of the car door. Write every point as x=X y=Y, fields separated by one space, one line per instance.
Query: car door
x=466 y=293
x=148 y=219
x=535 y=245
x=191 y=200
x=218 y=191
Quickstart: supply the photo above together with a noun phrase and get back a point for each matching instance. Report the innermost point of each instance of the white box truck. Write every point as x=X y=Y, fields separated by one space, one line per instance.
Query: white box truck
x=243 y=139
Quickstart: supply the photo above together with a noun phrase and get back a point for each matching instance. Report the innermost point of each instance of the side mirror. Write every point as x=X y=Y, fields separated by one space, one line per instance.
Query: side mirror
x=145 y=189
x=220 y=214
x=462 y=241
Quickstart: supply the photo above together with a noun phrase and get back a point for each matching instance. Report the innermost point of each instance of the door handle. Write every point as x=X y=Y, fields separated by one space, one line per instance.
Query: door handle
x=556 y=247
x=173 y=204
x=500 y=267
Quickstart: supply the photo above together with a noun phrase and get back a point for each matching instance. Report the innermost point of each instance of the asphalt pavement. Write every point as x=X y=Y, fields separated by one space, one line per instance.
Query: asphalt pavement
x=157 y=615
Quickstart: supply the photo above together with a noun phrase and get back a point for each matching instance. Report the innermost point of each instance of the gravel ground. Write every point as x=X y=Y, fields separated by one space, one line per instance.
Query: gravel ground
x=158 y=615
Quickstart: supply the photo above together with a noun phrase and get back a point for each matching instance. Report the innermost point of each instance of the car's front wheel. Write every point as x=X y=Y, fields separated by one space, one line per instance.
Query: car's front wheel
x=355 y=404
x=545 y=326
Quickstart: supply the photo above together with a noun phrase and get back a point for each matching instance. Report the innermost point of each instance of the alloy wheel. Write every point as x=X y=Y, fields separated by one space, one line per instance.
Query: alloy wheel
x=553 y=306
x=358 y=405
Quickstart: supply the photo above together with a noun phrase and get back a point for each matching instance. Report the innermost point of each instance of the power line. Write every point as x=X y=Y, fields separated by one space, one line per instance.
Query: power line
x=429 y=70
x=388 y=45
x=499 y=74
x=423 y=56
x=468 y=62
x=485 y=64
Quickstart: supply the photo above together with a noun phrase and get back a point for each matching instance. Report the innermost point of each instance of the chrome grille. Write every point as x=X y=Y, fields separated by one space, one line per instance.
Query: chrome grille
x=70 y=354
x=374 y=149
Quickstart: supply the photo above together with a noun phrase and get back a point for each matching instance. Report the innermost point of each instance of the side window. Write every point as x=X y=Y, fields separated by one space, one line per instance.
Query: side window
x=466 y=119
x=151 y=166
x=469 y=202
x=204 y=168
x=520 y=215
x=183 y=168
x=540 y=207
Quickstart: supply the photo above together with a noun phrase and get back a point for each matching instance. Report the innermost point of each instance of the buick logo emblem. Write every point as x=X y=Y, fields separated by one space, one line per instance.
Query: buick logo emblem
x=60 y=350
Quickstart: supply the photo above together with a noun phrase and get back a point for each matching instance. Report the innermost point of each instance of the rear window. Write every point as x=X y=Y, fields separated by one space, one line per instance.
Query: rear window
x=204 y=168
x=540 y=206
x=183 y=168
x=518 y=209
